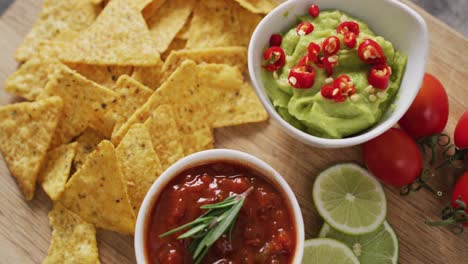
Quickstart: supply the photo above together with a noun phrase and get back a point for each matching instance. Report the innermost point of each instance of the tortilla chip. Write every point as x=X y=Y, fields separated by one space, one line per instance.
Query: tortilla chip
x=118 y=37
x=106 y=76
x=97 y=192
x=30 y=79
x=26 y=131
x=140 y=4
x=56 y=16
x=244 y=107
x=259 y=6
x=221 y=23
x=165 y=136
x=84 y=102
x=55 y=172
x=131 y=96
x=234 y=56
x=176 y=44
x=152 y=8
x=87 y=143
x=148 y=76
x=199 y=140
x=139 y=164
x=73 y=240
x=168 y=20
x=196 y=93
x=184 y=32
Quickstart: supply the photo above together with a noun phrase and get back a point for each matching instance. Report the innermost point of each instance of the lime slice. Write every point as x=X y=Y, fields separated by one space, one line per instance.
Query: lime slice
x=327 y=251
x=378 y=247
x=350 y=199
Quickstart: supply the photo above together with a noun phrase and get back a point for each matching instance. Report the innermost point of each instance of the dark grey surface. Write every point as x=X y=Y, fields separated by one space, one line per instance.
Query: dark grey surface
x=4 y=4
x=452 y=12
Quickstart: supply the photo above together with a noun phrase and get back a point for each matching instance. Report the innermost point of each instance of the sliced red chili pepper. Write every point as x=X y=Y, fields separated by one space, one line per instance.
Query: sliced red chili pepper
x=305 y=61
x=302 y=77
x=371 y=52
x=348 y=26
x=275 y=59
x=330 y=92
x=331 y=46
x=275 y=40
x=345 y=84
x=350 y=40
x=313 y=51
x=327 y=63
x=314 y=11
x=304 y=28
x=379 y=76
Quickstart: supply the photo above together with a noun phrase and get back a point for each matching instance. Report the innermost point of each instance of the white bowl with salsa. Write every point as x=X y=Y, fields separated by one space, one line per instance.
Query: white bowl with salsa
x=308 y=110
x=268 y=228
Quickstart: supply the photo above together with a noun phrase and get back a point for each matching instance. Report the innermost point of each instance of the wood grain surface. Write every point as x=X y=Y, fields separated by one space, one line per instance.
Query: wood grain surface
x=24 y=229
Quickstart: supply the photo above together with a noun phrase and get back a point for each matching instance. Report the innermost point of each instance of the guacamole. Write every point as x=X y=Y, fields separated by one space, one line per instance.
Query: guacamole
x=308 y=109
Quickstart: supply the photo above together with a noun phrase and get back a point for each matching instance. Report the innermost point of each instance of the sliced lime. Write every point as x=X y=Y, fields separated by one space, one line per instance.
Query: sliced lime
x=350 y=199
x=378 y=247
x=327 y=251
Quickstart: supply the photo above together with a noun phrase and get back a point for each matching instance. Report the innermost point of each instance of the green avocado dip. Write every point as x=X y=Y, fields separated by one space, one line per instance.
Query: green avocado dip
x=307 y=108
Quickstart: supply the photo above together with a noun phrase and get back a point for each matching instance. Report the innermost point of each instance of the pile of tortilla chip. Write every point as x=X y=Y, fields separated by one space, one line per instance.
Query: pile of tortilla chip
x=114 y=93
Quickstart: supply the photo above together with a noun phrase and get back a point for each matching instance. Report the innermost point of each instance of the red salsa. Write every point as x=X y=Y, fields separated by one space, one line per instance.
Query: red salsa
x=263 y=232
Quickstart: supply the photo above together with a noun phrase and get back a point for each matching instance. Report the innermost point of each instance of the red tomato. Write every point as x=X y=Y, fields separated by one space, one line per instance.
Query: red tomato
x=461 y=132
x=428 y=114
x=461 y=191
x=394 y=158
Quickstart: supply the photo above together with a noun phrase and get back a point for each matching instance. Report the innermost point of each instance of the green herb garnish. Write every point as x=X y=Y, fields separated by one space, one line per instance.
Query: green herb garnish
x=209 y=227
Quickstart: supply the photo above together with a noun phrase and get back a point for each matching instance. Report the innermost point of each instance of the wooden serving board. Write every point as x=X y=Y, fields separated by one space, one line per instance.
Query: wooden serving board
x=24 y=228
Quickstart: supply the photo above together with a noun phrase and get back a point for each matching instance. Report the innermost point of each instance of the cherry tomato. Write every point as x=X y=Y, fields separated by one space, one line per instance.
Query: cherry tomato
x=314 y=11
x=304 y=28
x=275 y=59
x=275 y=40
x=331 y=46
x=461 y=132
x=302 y=77
x=379 y=76
x=461 y=191
x=394 y=158
x=429 y=112
x=371 y=52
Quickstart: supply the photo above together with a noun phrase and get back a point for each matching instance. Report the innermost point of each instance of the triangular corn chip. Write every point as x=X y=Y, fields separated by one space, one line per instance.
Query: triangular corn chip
x=97 y=192
x=87 y=143
x=57 y=16
x=73 y=240
x=118 y=37
x=131 y=95
x=106 y=76
x=30 y=78
x=234 y=56
x=139 y=163
x=168 y=21
x=176 y=44
x=221 y=23
x=165 y=136
x=258 y=6
x=84 y=102
x=26 y=131
x=149 y=76
x=56 y=170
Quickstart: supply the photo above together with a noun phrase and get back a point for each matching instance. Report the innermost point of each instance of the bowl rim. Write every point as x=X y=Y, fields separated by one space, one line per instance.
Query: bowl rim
x=209 y=156
x=368 y=134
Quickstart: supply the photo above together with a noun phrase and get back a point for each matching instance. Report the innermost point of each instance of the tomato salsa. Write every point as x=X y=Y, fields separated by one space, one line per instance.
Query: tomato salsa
x=263 y=232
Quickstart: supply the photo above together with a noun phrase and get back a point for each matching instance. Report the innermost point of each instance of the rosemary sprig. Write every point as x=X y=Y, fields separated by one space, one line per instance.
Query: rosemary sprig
x=209 y=227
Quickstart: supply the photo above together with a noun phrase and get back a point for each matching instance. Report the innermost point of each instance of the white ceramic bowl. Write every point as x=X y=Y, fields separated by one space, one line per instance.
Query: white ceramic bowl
x=210 y=156
x=391 y=19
